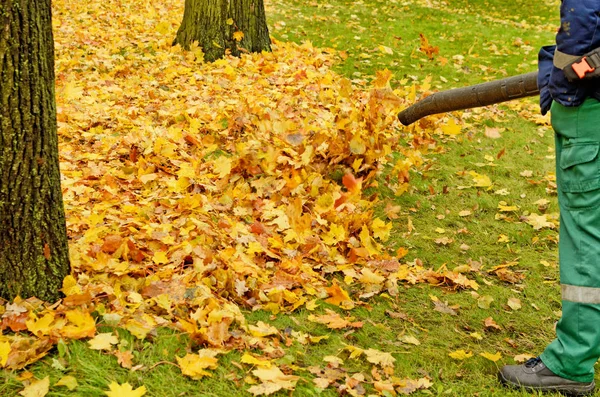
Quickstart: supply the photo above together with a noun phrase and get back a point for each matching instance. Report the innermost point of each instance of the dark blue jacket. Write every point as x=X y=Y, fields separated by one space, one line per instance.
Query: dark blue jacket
x=579 y=33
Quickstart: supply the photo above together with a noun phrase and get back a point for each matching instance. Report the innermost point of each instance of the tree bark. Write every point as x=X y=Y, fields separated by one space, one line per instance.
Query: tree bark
x=34 y=255
x=212 y=23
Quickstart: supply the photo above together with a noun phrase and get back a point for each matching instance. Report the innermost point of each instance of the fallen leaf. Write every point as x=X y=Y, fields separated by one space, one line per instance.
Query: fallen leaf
x=68 y=381
x=460 y=354
x=492 y=357
x=103 y=341
x=514 y=303
x=484 y=302
x=124 y=390
x=489 y=323
x=492 y=132
x=194 y=365
x=37 y=388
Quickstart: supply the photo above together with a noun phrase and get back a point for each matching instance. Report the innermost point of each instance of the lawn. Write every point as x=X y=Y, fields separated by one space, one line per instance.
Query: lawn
x=482 y=204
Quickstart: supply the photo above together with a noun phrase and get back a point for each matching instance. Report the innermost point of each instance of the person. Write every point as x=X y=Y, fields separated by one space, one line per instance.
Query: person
x=567 y=363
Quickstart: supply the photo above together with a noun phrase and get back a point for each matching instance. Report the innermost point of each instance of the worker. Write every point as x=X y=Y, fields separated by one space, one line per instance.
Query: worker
x=567 y=363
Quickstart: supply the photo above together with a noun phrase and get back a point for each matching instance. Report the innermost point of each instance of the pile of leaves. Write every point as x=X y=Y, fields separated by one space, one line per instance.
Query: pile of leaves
x=196 y=190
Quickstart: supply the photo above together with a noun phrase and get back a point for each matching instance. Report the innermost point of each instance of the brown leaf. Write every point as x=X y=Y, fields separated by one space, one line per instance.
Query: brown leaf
x=490 y=324
x=111 y=243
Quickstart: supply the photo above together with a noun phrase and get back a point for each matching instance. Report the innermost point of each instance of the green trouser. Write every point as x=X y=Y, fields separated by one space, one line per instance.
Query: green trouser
x=576 y=349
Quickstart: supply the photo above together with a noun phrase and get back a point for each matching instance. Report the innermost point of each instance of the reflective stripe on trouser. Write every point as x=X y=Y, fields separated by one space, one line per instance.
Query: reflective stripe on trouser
x=576 y=348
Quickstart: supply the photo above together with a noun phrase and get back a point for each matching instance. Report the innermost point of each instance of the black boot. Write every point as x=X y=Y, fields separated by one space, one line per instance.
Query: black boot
x=535 y=376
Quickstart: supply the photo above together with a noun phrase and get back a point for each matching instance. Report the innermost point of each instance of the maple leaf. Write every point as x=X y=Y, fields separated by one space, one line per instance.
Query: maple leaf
x=262 y=329
x=539 y=221
x=4 y=351
x=333 y=320
x=378 y=357
x=124 y=358
x=82 y=325
x=238 y=36
x=103 y=341
x=272 y=380
x=514 y=303
x=492 y=357
x=428 y=49
x=40 y=326
x=480 y=180
x=460 y=355
x=194 y=365
x=124 y=390
x=451 y=128
x=521 y=358
x=250 y=359
x=338 y=296
x=37 y=388
x=68 y=381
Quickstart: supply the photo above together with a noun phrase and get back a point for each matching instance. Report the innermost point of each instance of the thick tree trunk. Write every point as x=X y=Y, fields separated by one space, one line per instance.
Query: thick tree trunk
x=33 y=239
x=212 y=23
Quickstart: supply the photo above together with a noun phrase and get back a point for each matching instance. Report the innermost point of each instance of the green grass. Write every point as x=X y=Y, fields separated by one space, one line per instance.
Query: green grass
x=478 y=41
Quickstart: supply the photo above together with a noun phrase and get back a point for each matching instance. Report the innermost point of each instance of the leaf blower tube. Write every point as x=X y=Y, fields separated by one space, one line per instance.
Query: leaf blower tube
x=497 y=91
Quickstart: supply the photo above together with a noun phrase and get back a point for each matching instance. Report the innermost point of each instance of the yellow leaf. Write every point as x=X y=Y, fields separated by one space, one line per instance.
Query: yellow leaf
x=521 y=358
x=491 y=357
x=514 y=303
x=194 y=365
x=338 y=296
x=539 y=221
x=368 y=277
x=37 y=388
x=160 y=258
x=460 y=355
x=336 y=232
x=335 y=360
x=409 y=339
x=504 y=207
x=247 y=358
x=229 y=21
x=68 y=381
x=274 y=374
x=103 y=341
x=163 y=27
x=262 y=329
x=222 y=166
x=451 y=128
x=4 y=351
x=40 y=326
x=70 y=286
x=82 y=325
x=480 y=180
x=238 y=36
x=357 y=145
x=484 y=302
x=367 y=241
x=124 y=390
x=386 y=50
x=265 y=388
x=354 y=351
x=381 y=230
x=324 y=203
x=71 y=91
x=503 y=238
x=378 y=357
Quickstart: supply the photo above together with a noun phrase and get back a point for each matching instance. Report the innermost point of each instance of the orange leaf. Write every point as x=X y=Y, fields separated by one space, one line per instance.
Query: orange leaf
x=352 y=184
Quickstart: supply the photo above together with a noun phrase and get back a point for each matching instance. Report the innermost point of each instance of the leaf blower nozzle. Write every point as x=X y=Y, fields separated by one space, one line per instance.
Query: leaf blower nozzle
x=523 y=85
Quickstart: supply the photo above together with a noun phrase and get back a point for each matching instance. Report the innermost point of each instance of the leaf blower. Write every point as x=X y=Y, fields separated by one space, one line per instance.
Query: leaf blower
x=523 y=85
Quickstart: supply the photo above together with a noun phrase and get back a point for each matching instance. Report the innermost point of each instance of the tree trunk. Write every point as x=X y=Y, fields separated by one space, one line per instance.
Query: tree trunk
x=34 y=255
x=212 y=23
